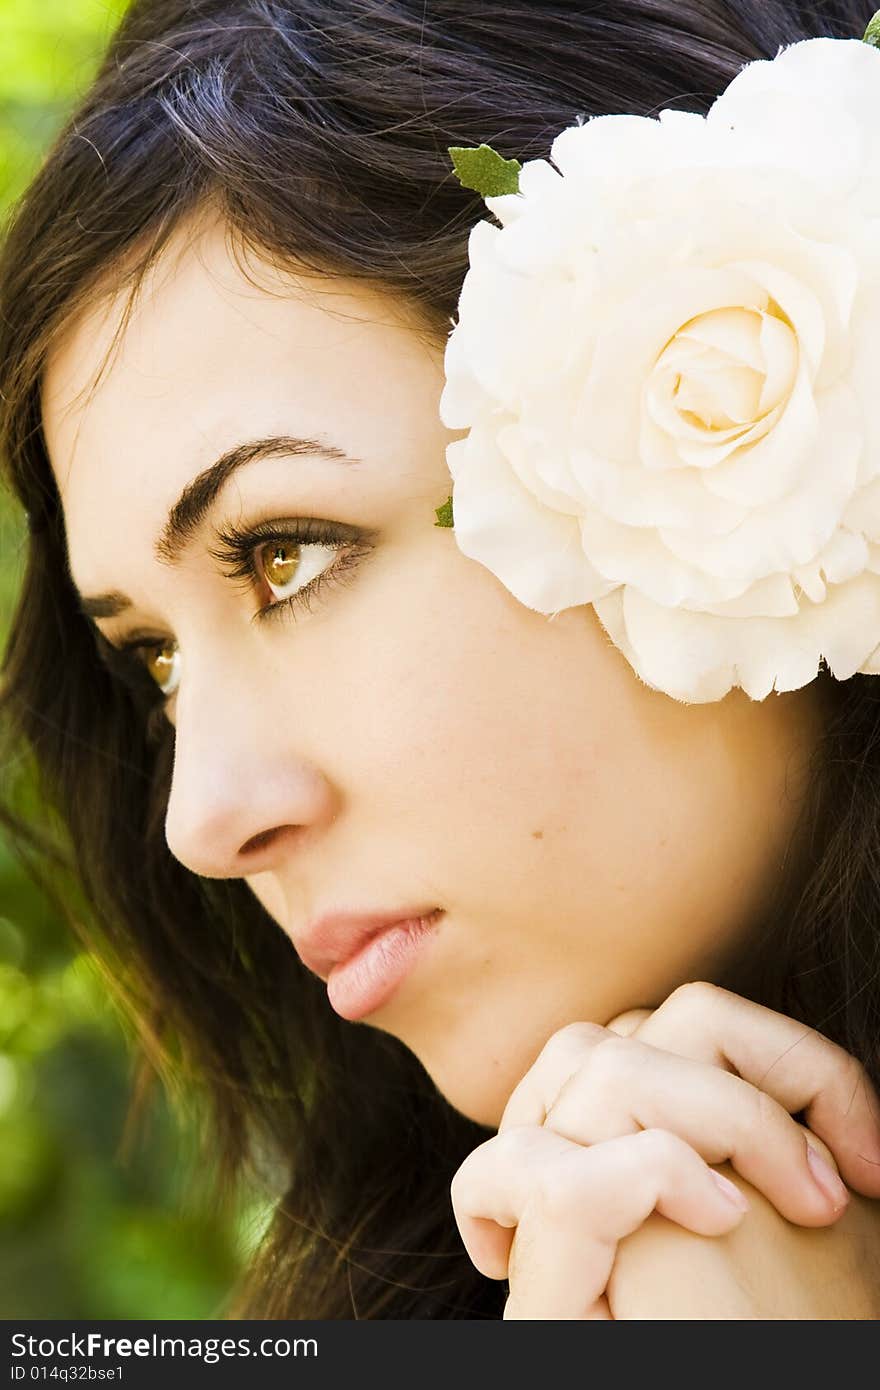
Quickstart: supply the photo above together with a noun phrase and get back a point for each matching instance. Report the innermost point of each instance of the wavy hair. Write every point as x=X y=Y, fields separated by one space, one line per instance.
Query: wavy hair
x=319 y=128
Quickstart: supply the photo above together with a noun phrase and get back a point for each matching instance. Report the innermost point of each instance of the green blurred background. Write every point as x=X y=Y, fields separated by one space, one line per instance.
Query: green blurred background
x=85 y=1231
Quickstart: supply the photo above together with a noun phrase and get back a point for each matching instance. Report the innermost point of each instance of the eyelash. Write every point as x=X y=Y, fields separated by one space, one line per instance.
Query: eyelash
x=236 y=553
x=236 y=547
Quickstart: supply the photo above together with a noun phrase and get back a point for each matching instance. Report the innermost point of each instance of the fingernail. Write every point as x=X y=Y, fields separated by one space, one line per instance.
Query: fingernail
x=731 y=1192
x=826 y=1179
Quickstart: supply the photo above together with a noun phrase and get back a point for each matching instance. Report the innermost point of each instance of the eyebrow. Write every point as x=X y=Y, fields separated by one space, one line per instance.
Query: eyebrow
x=189 y=513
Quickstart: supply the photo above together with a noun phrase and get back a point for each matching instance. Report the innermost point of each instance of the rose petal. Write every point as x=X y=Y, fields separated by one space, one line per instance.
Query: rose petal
x=536 y=553
x=792 y=531
x=630 y=341
x=697 y=658
x=862 y=512
x=862 y=375
x=641 y=498
x=637 y=556
x=531 y=458
x=765 y=472
x=773 y=597
x=846 y=556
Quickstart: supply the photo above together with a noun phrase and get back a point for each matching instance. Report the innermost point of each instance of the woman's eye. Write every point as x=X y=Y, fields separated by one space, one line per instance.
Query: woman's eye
x=162 y=665
x=293 y=565
x=288 y=566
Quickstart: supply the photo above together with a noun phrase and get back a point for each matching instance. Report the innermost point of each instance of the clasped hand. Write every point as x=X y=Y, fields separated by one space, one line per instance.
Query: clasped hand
x=611 y=1125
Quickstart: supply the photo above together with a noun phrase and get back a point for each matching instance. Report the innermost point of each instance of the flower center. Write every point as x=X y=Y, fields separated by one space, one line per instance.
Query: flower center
x=723 y=379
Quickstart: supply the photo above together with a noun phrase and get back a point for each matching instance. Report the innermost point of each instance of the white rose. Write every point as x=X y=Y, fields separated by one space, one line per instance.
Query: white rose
x=667 y=359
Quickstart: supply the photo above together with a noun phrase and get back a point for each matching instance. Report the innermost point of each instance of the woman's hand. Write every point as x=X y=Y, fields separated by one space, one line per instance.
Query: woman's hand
x=612 y=1124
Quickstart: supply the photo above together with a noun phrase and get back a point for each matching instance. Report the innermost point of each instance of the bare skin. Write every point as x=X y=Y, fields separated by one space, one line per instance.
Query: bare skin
x=417 y=736
x=623 y=1148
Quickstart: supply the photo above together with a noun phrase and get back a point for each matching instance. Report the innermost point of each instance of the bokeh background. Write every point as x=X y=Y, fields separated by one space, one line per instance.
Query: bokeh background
x=95 y=1221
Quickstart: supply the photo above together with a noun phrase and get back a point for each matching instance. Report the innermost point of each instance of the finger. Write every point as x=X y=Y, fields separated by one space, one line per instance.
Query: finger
x=615 y=1086
x=797 y=1066
x=571 y=1205
x=628 y=1023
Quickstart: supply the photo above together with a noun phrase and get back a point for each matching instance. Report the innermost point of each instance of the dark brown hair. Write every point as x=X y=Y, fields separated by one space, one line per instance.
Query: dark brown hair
x=319 y=128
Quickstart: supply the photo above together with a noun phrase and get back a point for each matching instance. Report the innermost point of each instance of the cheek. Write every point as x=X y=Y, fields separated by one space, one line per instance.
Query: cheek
x=596 y=843
x=524 y=765
x=477 y=715
x=451 y=684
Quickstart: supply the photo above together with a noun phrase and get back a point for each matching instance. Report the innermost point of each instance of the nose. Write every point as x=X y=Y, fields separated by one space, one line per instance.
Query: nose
x=242 y=794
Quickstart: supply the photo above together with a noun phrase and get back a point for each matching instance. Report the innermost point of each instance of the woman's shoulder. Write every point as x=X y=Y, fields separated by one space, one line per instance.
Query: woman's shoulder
x=767 y=1268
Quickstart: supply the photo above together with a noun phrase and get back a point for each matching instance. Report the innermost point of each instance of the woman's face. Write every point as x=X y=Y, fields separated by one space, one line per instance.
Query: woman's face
x=414 y=736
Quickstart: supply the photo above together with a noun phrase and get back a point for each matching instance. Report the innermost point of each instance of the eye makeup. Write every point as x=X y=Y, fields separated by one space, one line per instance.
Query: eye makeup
x=239 y=552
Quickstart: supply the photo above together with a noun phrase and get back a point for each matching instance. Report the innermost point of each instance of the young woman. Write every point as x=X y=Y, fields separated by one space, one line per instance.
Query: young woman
x=277 y=708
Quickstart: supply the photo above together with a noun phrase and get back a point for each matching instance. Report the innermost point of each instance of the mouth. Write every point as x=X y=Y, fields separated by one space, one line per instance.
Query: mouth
x=334 y=939
x=367 y=979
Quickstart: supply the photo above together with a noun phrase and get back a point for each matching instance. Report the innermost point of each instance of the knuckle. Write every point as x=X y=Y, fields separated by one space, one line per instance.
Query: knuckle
x=691 y=1004
x=840 y=1067
x=457 y=1193
x=597 y=1082
x=607 y=1065
x=852 y=1083
x=519 y=1103
x=467 y=1172
x=607 y=1080
x=628 y=1023
x=460 y=1180
x=572 y=1039
x=696 y=999
x=659 y=1148
x=507 y=1145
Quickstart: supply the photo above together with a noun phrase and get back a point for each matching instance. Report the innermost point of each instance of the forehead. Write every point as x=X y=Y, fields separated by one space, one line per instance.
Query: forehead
x=215 y=351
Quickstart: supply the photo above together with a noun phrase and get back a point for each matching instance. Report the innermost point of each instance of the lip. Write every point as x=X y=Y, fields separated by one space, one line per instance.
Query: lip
x=334 y=938
x=363 y=983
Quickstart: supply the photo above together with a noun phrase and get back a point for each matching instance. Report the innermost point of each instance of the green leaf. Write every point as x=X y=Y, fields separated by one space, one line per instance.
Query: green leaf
x=872 y=33
x=444 y=514
x=484 y=170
